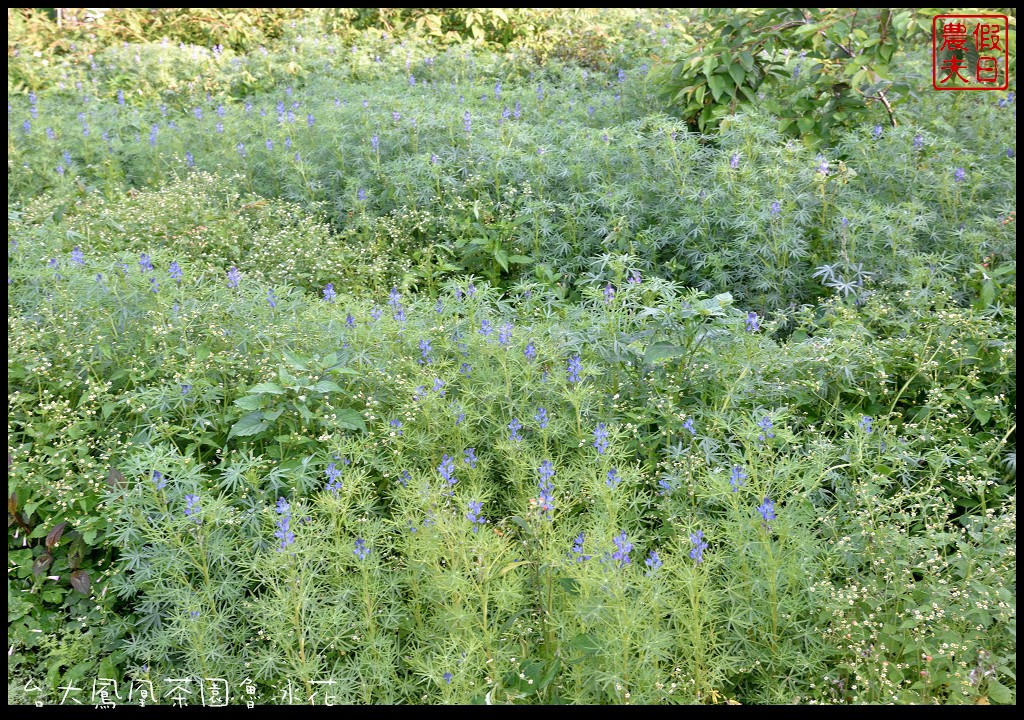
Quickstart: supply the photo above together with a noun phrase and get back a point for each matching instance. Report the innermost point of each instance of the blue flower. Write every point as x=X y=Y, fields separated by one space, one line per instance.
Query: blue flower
x=541 y=417
x=653 y=562
x=734 y=161
x=284 y=532
x=575 y=365
x=609 y=294
x=505 y=334
x=425 y=351
x=350 y=321
x=465 y=369
x=448 y=676
x=470 y=458
x=309 y=120
x=397 y=425
x=144 y=263
x=375 y=143
x=623 y=547
x=737 y=478
x=404 y=478
x=77 y=256
x=175 y=271
x=865 y=424
x=159 y=480
x=485 y=328
x=515 y=426
x=752 y=324
x=360 y=550
x=329 y=293
x=271 y=297
x=959 y=175
x=189 y=160
x=530 y=351
x=447 y=470
x=191 y=504
x=766 y=425
x=613 y=478
x=877 y=132
x=577 y=548
x=767 y=509
x=234 y=277
x=699 y=546
x=439 y=386
x=822 y=165
x=467 y=121
x=600 y=438
x=474 y=514
x=666 y=487
x=334 y=483
x=918 y=141
x=688 y=425
x=776 y=208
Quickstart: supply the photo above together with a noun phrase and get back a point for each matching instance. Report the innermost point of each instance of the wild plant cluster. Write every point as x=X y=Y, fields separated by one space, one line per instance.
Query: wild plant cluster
x=364 y=367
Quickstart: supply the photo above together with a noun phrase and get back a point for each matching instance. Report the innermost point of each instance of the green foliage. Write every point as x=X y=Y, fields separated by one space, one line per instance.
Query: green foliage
x=327 y=394
x=843 y=69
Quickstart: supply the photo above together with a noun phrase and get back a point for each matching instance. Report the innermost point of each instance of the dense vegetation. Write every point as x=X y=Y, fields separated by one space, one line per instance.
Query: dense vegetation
x=422 y=356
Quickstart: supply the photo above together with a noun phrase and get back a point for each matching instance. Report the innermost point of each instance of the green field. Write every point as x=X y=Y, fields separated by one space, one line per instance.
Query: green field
x=522 y=356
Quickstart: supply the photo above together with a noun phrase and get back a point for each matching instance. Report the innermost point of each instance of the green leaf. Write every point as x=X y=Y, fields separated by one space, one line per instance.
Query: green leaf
x=737 y=73
x=662 y=351
x=999 y=692
x=350 y=419
x=80 y=581
x=249 y=425
x=267 y=387
x=326 y=386
x=520 y=259
x=717 y=85
x=250 y=402
x=502 y=258
x=586 y=644
x=295 y=361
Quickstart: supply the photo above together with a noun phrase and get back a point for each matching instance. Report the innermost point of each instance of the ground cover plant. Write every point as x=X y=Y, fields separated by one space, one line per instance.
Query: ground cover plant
x=441 y=357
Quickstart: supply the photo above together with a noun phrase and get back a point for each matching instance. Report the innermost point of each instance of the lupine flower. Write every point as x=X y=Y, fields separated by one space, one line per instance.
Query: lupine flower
x=776 y=208
x=270 y=144
x=334 y=483
x=613 y=478
x=591 y=110
x=699 y=546
x=465 y=369
x=425 y=351
x=865 y=424
x=394 y=297
x=397 y=425
x=737 y=478
x=467 y=121
x=918 y=141
x=460 y=418
x=284 y=532
x=474 y=516
x=447 y=470
x=767 y=509
x=575 y=365
x=271 y=297
x=959 y=175
x=515 y=426
x=350 y=321
x=376 y=313
x=752 y=324
x=241 y=149
x=766 y=425
x=600 y=438
x=439 y=386
x=434 y=159
x=845 y=222
x=329 y=293
x=439 y=306
x=688 y=425
x=518 y=111
x=497 y=90
x=309 y=120
x=375 y=143
x=471 y=290
x=577 y=548
x=485 y=327
x=470 y=458
x=77 y=257
x=448 y=676
x=734 y=161
x=288 y=143
x=361 y=195
x=175 y=271
x=822 y=166
x=666 y=487
x=189 y=160
x=159 y=480
x=51 y=134
x=877 y=132
x=623 y=547
x=634 y=277
x=404 y=478
x=360 y=550
x=609 y=294
x=541 y=417
x=185 y=389
x=530 y=351
x=198 y=112
x=234 y=277
x=191 y=504
x=653 y=562
x=154 y=286
x=505 y=334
